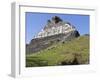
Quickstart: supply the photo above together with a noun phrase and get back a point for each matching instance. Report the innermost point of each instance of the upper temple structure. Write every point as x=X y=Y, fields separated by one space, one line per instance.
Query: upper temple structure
x=55 y=26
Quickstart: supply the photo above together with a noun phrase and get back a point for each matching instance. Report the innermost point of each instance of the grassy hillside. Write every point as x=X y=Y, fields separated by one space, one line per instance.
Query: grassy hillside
x=72 y=52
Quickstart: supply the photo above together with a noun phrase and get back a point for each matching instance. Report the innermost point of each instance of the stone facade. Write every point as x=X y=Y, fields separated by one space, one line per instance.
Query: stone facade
x=56 y=30
x=55 y=26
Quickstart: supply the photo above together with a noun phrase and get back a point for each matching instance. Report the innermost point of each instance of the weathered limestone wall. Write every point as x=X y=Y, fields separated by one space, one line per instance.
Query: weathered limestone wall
x=38 y=44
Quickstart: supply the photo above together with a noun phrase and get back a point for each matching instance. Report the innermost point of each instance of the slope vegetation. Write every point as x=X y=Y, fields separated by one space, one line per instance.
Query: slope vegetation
x=72 y=52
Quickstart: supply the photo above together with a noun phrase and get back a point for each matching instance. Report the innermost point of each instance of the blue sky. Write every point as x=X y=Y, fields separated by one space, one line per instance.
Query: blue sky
x=36 y=21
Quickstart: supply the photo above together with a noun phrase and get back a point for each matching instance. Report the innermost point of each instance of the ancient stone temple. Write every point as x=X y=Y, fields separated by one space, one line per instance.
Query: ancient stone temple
x=56 y=30
x=55 y=26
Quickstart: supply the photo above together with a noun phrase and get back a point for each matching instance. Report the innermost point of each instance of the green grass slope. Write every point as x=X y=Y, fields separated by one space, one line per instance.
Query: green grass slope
x=71 y=52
